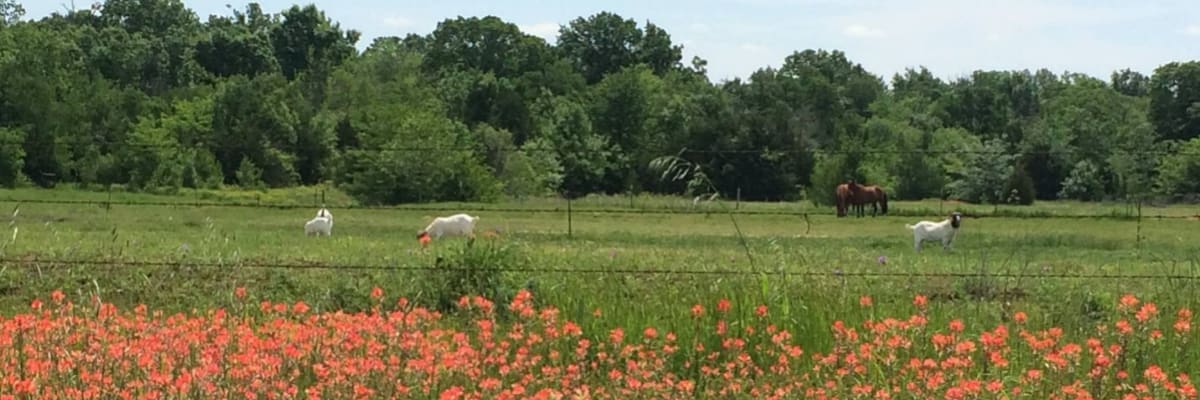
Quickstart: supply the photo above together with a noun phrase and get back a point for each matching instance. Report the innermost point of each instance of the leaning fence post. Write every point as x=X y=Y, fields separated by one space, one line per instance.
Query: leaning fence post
x=108 y=204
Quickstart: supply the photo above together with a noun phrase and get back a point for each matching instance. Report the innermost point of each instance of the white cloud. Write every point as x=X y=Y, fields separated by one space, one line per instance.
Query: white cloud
x=544 y=30
x=397 y=21
x=1191 y=30
x=861 y=31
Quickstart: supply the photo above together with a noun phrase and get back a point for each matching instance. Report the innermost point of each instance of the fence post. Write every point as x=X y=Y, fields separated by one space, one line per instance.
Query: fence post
x=108 y=204
x=738 y=203
x=569 y=228
x=1139 y=223
x=322 y=197
x=942 y=203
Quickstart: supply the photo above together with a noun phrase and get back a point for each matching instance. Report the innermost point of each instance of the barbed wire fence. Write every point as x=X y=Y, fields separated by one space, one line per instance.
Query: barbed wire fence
x=567 y=206
x=633 y=270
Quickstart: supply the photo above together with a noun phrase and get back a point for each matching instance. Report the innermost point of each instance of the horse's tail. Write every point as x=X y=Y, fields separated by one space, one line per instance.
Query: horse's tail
x=882 y=200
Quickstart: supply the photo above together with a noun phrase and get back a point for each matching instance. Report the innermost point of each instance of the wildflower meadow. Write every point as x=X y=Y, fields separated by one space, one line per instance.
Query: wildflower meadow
x=259 y=349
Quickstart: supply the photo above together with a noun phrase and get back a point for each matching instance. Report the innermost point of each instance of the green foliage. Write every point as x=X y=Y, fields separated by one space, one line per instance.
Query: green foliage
x=390 y=177
x=1179 y=173
x=831 y=171
x=605 y=43
x=249 y=176
x=919 y=176
x=152 y=157
x=533 y=170
x=12 y=156
x=1084 y=183
x=987 y=176
x=472 y=267
x=1019 y=187
x=144 y=93
x=1135 y=160
x=1174 y=93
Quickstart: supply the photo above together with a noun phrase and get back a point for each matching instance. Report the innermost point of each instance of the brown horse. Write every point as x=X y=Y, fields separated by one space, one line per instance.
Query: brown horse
x=856 y=196
x=843 y=197
x=868 y=194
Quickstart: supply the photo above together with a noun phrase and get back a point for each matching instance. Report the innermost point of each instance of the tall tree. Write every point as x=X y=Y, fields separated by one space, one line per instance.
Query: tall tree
x=306 y=40
x=1130 y=83
x=1175 y=100
x=605 y=43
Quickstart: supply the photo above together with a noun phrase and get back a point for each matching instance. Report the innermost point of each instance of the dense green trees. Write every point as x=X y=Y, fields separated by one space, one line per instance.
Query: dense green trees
x=145 y=93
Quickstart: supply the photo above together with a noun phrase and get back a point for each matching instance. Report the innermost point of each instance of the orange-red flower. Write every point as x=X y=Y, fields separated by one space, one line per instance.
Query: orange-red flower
x=920 y=301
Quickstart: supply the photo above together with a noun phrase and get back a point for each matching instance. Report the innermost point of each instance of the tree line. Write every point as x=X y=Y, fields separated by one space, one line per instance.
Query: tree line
x=143 y=93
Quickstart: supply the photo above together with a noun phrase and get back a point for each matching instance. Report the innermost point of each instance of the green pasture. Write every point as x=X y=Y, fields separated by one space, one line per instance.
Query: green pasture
x=612 y=238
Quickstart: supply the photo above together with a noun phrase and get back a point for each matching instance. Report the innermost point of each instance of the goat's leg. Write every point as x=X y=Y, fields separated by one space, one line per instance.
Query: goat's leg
x=917 y=244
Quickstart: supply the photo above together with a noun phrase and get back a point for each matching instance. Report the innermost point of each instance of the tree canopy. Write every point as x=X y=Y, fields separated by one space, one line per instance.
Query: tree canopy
x=147 y=94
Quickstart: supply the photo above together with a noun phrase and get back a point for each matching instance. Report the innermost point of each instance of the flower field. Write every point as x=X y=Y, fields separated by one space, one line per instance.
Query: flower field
x=258 y=349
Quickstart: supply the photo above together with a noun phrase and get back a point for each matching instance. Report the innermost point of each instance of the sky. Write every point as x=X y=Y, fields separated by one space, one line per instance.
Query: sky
x=951 y=38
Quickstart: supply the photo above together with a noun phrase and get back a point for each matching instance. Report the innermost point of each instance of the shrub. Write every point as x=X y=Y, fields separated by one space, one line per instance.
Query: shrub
x=473 y=267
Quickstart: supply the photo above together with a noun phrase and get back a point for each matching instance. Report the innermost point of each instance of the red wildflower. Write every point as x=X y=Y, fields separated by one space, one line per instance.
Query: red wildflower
x=920 y=301
x=239 y=292
x=1149 y=310
x=1128 y=302
x=697 y=310
x=723 y=305
x=761 y=311
x=616 y=335
x=956 y=325
x=865 y=301
x=377 y=293
x=1020 y=317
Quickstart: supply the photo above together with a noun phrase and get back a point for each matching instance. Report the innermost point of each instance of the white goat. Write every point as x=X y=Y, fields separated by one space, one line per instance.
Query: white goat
x=943 y=231
x=454 y=225
x=322 y=224
x=319 y=226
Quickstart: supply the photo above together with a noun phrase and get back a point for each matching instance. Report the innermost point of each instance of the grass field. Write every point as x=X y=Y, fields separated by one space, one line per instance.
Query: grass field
x=215 y=249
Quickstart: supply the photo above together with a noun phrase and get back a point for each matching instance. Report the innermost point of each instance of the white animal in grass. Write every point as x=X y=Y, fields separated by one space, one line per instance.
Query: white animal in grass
x=928 y=231
x=321 y=225
x=454 y=225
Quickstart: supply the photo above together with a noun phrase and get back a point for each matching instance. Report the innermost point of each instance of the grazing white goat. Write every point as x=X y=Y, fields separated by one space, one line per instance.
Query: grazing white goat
x=454 y=225
x=322 y=224
x=319 y=226
x=943 y=231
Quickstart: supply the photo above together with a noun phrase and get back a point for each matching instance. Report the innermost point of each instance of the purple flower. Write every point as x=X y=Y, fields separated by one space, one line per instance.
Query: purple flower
x=882 y=260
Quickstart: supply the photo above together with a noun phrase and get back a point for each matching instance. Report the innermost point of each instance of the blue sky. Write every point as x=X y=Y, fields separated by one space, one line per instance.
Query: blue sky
x=950 y=37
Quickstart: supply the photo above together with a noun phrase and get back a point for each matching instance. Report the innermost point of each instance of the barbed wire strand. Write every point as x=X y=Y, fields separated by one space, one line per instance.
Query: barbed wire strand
x=544 y=210
x=554 y=270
